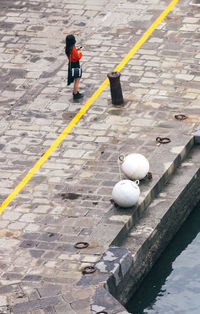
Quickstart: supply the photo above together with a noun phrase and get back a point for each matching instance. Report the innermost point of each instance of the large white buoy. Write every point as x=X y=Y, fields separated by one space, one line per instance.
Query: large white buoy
x=134 y=166
x=126 y=193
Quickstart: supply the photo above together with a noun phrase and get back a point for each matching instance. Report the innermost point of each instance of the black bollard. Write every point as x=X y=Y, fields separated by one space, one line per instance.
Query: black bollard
x=115 y=88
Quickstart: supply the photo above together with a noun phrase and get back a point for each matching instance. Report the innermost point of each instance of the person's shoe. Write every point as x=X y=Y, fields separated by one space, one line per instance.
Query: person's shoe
x=77 y=95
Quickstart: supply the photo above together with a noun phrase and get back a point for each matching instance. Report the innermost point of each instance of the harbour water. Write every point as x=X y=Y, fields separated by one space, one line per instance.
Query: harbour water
x=173 y=285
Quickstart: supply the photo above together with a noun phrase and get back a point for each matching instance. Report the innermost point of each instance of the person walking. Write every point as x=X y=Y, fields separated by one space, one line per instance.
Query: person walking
x=74 y=70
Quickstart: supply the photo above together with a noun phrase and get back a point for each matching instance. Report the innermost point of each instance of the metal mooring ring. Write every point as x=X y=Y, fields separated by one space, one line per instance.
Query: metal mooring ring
x=88 y=270
x=149 y=175
x=81 y=245
x=163 y=140
x=121 y=157
x=102 y=312
x=180 y=117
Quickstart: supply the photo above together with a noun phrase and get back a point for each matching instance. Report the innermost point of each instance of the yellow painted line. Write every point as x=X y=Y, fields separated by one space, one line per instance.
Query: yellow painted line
x=146 y=35
x=85 y=107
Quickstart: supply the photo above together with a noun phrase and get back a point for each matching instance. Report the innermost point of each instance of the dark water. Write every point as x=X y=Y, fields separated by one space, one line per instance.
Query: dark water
x=173 y=285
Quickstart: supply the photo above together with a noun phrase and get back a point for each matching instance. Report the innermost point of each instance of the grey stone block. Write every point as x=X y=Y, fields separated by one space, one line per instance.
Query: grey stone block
x=50 y=290
x=116 y=261
x=104 y=301
x=32 y=278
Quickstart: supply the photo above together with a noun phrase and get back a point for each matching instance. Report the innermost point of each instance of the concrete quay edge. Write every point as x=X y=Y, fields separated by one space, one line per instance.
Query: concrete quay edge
x=125 y=263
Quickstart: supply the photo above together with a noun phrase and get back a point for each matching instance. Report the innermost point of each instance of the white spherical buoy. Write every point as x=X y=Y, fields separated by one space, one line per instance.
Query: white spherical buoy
x=134 y=166
x=126 y=193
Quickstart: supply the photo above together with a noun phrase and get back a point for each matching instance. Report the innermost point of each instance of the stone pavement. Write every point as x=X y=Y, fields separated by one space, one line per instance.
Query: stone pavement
x=69 y=197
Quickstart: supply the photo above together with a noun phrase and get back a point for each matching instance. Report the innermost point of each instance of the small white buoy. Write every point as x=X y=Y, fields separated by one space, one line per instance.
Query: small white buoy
x=126 y=193
x=134 y=166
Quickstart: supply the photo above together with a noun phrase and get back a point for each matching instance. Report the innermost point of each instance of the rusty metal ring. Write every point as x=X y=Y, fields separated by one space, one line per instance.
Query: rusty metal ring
x=149 y=175
x=163 y=140
x=102 y=312
x=180 y=117
x=81 y=245
x=88 y=270
x=121 y=157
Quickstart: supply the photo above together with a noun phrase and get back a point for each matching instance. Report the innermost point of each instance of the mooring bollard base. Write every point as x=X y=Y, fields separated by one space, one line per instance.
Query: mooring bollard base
x=115 y=88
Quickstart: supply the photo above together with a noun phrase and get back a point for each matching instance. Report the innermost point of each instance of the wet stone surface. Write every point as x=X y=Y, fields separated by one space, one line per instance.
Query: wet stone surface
x=68 y=199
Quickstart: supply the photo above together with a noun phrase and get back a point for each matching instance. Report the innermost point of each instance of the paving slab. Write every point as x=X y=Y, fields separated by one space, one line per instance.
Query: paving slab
x=68 y=199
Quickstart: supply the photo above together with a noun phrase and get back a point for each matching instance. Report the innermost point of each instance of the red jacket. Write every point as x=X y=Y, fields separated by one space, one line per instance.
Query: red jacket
x=75 y=55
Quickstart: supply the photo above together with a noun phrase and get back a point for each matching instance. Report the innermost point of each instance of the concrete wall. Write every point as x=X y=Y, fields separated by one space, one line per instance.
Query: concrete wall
x=145 y=236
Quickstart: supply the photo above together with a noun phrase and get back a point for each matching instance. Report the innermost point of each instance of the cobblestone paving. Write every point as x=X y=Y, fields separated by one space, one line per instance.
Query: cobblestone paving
x=70 y=195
